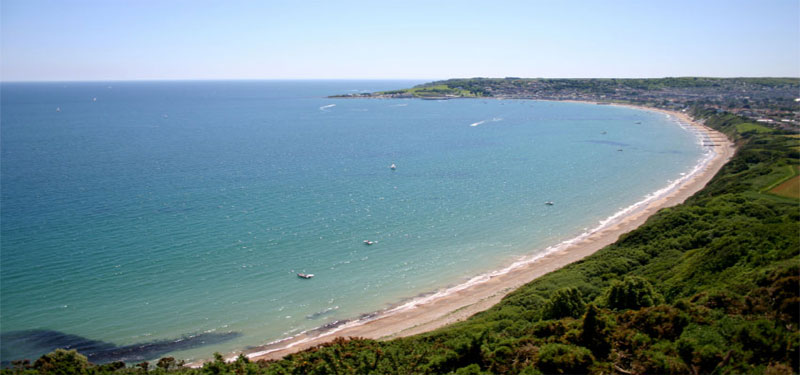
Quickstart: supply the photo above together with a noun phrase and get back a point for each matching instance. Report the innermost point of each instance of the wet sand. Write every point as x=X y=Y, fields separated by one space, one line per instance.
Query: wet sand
x=459 y=305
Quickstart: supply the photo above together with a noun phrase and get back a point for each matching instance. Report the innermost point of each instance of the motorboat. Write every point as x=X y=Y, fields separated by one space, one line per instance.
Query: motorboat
x=549 y=203
x=393 y=167
x=368 y=242
x=305 y=275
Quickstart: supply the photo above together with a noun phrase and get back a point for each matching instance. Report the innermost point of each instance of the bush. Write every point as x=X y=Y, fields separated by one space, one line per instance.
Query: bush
x=62 y=362
x=632 y=293
x=566 y=302
x=564 y=359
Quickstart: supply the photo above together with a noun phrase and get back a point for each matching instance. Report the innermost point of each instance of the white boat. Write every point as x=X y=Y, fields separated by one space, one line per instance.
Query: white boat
x=393 y=167
x=368 y=242
x=305 y=275
x=549 y=203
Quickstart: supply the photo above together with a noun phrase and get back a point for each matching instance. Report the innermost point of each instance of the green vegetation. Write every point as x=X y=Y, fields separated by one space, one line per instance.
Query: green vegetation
x=750 y=127
x=789 y=188
x=709 y=286
x=434 y=91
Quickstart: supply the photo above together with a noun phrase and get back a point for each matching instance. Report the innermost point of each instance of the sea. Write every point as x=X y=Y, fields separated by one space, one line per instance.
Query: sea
x=170 y=218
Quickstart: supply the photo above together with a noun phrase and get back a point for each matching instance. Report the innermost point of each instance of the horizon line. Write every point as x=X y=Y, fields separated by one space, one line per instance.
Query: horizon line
x=361 y=79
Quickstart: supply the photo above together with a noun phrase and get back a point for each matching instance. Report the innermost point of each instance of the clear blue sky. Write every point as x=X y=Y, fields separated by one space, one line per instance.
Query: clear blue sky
x=183 y=39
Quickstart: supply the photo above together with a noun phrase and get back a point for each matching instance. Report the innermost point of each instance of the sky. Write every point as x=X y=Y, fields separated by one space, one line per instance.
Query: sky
x=77 y=40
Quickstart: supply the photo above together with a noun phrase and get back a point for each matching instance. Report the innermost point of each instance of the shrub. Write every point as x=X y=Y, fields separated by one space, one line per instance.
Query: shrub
x=564 y=359
x=633 y=292
x=62 y=362
x=565 y=302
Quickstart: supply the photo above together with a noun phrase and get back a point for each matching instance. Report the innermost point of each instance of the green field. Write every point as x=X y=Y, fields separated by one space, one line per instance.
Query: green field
x=749 y=126
x=789 y=189
x=437 y=91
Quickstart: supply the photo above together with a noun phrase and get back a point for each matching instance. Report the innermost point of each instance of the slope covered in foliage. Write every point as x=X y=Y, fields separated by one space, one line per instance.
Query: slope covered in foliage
x=709 y=286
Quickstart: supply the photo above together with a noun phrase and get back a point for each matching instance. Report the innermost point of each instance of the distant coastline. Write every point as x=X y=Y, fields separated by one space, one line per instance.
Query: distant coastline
x=732 y=95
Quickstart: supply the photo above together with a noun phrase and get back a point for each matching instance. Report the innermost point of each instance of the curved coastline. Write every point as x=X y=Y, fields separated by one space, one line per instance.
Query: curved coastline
x=455 y=303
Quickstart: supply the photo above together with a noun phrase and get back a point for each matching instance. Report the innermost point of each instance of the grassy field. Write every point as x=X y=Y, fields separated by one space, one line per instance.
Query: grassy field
x=434 y=92
x=749 y=126
x=789 y=189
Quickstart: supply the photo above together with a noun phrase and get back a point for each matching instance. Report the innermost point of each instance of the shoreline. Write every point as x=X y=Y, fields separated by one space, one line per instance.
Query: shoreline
x=456 y=303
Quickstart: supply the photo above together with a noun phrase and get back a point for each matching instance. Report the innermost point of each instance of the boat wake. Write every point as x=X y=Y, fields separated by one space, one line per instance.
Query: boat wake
x=494 y=119
x=327 y=107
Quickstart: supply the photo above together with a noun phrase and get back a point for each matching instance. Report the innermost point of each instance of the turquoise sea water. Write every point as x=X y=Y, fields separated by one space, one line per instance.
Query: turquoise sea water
x=154 y=212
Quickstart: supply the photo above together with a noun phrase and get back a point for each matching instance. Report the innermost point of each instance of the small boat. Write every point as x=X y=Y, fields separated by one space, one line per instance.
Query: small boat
x=393 y=167
x=549 y=203
x=638 y=122
x=619 y=149
x=604 y=132
x=305 y=275
x=368 y=242
x=58 y=109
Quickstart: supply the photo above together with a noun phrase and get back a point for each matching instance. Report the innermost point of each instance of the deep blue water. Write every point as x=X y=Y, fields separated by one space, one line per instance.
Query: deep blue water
x=145 y=212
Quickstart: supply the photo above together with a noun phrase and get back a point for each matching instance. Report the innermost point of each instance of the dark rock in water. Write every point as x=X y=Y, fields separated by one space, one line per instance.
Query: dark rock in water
x=319 y=314
x=32 y=344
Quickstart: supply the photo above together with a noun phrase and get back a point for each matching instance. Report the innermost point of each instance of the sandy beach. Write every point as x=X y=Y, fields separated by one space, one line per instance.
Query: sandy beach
x=458 y=304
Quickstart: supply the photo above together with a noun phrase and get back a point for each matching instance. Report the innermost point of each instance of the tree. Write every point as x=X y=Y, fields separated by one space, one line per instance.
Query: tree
x=563 y=303
x=594 y=334
x=166 y=363
x=62 y=362
x=633 y=292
